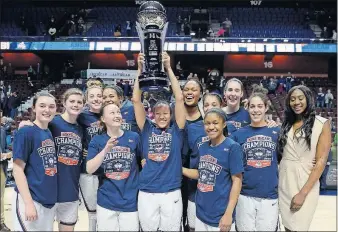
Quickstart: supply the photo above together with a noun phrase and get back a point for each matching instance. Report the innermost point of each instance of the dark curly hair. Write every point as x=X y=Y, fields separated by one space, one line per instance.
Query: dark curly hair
x=308 y=117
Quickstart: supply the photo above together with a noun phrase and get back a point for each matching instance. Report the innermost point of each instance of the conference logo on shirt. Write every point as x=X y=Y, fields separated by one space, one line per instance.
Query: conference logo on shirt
x=47 y=153
x=203 y=140
x=94 y=129
x=117 y=163
x=69 y=147
x=159 y=146
x=259 y=151
x=208 y=171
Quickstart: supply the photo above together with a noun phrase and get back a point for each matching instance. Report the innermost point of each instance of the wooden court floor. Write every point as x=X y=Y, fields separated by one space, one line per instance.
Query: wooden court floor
x=325 y=218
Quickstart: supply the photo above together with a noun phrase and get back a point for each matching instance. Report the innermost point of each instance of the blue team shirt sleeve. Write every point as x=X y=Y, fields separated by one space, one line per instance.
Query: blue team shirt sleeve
x=22 y=145
x=236 y=159
x=94 y=150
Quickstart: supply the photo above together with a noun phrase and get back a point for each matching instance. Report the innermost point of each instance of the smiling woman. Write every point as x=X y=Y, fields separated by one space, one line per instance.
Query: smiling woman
x=112 y=155
x=34 y=170
x=304 y=137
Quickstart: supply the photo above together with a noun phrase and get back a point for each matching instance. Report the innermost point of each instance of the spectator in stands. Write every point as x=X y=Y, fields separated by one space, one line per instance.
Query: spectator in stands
x=31 y=72
x=178 y=25
x=227 y=24
x=334 y=35
x=128 y=28
x=272 y=86
x=210 y=33
x=51 y=28
x=264 y=83
x=178 y=66
x=80 y=25
x=12 y=104
x=320 y=98
x=126 y=89
x=302 y=83
x=289 y=81
x=120 y=84
x=333 y=125
x=281 y=85
x=6 y=123
x=322 y=179
x=190 y=76
x=117 y=31
x=187 y=27
x=324 y=34
x=328 y=99
x=1 y=66
x=3 y=96
x=4 y=72
x=10 y=71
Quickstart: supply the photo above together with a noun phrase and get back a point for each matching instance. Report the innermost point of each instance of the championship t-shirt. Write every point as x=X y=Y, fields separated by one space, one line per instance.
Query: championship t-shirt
x=68 y=141
x=91 y=125
x=35 y=147
x=119 y=170
x=259 y=146
x=216 y=166
x=161 y=148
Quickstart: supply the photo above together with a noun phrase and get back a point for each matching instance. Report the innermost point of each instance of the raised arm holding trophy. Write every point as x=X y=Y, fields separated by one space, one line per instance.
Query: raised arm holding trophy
x=152 y=27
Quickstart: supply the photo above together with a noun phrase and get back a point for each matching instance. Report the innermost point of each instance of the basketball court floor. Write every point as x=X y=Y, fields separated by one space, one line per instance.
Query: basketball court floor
x=325 y=218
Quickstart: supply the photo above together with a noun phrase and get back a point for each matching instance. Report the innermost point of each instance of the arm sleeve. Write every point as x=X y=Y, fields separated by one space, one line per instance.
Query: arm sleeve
x=94 y=150
x=236 y=159
x=22 y=145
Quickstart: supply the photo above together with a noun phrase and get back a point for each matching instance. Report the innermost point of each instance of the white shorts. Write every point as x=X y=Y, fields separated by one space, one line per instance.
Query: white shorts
x=191 y=214
x=201 y=226
x=109 y=220
x=44 y=221
x=88 y=191
x=160 y=211
x=256 y=214
x=66 y=213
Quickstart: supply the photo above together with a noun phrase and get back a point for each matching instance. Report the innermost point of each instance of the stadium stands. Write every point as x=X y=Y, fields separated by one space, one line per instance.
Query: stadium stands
x=247 y=22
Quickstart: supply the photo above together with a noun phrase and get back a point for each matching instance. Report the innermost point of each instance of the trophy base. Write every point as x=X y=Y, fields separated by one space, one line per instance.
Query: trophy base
x=152 y=82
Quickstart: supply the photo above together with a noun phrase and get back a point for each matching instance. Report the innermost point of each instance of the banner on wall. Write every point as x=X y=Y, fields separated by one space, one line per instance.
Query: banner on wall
x=111 y=73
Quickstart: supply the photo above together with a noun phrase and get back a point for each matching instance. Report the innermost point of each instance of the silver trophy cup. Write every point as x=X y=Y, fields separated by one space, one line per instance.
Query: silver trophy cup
x=152 y=27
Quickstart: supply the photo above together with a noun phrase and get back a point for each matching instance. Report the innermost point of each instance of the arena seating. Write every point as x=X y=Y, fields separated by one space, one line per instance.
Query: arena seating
x=247 y=22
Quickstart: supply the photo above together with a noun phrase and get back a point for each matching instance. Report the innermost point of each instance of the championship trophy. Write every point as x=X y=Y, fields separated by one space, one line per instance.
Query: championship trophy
x=152 y=27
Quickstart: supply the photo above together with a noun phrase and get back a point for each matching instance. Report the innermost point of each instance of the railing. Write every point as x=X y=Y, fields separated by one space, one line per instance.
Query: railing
x=168 y=39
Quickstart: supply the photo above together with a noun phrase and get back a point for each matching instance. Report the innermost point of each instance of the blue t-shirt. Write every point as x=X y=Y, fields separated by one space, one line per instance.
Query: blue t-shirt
x=68 y=142
x=238 y=119
x=260 y=177
x=216 y=166
x=128 y=115
x=162 y=151
x=119 y=169
x=35 y=147
x=196 y=135
x=91 y=125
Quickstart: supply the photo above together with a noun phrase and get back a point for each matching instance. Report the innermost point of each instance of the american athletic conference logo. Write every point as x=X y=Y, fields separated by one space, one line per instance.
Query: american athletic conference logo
x=117 y=163
x=208 y=171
